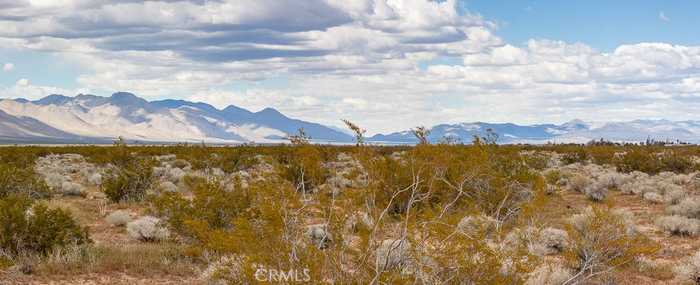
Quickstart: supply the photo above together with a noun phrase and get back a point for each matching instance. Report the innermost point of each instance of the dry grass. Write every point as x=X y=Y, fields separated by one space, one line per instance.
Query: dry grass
x=137 y=260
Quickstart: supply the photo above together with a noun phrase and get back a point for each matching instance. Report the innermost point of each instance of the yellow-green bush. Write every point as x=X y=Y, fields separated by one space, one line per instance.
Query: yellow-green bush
x=303 y=166
x=130 y=181
x=210 y=206
x=653 y=161
x=419 y=195
x=577 y=155
x=604 y=239
x=21 y=180
x=27 y=227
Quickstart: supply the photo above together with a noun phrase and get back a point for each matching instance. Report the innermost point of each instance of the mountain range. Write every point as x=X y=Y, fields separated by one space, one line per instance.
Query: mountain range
x=96 y=119
x=575 y=131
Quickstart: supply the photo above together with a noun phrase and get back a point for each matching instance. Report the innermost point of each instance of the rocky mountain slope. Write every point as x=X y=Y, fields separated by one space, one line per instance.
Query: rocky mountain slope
x=89 y=118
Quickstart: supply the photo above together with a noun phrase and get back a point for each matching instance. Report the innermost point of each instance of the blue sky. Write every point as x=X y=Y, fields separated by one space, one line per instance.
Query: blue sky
x=42 y=68
x=603 y=24
x=388 y=64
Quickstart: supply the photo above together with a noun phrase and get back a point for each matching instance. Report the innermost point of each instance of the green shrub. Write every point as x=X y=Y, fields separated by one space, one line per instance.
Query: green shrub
x=27 y=227
x=602 y=154
x=536 y=161
x=210 y=205
x=579 y=155
x=130 y=182
x=552 y=177
x=653 y=161
x=676 y=163
x=304 y=167
x=21 y=180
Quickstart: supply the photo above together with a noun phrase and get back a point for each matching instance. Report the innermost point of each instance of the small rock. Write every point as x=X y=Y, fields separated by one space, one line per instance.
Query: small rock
x=320 y=235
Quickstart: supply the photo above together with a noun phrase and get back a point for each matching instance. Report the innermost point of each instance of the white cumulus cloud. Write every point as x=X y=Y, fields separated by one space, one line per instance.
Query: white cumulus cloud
x=386 y=64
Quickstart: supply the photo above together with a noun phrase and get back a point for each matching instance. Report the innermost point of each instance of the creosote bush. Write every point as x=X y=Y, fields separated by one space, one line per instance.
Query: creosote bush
x=21 y=180
x=130 y=181
x=268 y=222
x=211 y=206
x=604 y=239
x=429 y=214
x=652 y=161
x=304 y=165
x=27 y=227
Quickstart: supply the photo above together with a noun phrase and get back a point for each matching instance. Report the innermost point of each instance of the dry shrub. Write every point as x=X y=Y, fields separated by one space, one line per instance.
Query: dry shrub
x=147 y=229
x=72 y=189
x=552 y=241
x=657 y=269
x=638 y=187
x=538 y=241
x=228 y=269
x=146 y=259
x=688 y=270
x=118 y=218
x=393 y=254
x=674 y=196
x=536 y=160
x=596 y=191
x=553 y=176
x=577 y=156
x=613 y=180
x=653 y=197
x=604 y=240
x=579 y=182
x=688 y=207
x=478 y=225
x=549 y=274
x=678 y=225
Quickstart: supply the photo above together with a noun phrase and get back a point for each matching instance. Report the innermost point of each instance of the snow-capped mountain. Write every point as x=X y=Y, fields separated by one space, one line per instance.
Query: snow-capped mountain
x=89 y=118
x=575 y=131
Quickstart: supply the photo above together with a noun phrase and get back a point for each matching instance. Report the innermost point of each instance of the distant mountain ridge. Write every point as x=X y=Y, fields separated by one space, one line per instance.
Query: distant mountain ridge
x=575 y=131
x=97 y=119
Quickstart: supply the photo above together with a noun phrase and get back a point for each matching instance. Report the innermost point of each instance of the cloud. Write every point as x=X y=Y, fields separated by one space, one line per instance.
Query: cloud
x=663 y=17
x=22 y=82
x=23 y=88
x=386 y=64
x=7 y=67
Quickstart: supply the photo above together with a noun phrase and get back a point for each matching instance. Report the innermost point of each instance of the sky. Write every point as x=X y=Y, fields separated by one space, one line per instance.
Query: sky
x=387 y=65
